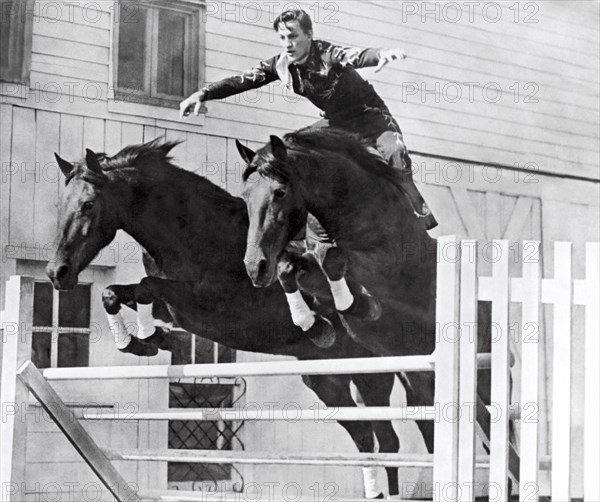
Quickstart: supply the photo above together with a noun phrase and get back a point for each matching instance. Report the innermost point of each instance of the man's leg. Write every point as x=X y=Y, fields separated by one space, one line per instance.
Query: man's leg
x=391 y=146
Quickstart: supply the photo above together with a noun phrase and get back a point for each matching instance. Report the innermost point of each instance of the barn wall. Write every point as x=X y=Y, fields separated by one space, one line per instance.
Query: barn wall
x=543 y=124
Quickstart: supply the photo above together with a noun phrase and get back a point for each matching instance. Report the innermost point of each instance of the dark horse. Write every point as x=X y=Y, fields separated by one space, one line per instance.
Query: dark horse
x=195 y=234
x=358 y=200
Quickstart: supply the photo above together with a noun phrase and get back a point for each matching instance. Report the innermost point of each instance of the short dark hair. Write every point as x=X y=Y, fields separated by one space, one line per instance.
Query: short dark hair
x=299 y=15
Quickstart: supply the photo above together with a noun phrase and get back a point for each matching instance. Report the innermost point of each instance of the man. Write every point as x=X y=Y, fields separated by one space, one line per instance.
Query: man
x=326 y=75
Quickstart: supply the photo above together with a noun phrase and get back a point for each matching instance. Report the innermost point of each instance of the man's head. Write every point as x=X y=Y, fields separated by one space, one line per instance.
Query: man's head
x=295 y=33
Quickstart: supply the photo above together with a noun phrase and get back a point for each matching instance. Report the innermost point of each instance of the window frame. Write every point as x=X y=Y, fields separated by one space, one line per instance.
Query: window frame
x=194 y=53
x=55 y=329
x=20 y=40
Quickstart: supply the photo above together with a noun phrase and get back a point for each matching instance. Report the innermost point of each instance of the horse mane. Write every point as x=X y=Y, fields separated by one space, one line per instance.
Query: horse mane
x=132 y=154
x=310 y=142
x=152 y=161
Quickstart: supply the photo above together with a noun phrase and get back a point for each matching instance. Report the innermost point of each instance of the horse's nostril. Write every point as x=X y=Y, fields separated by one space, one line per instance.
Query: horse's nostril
x=62 y=271
x=262 y=267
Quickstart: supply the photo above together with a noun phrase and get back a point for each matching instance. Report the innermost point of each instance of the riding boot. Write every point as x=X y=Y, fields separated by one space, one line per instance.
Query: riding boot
x=390 y=145
x=419 y=205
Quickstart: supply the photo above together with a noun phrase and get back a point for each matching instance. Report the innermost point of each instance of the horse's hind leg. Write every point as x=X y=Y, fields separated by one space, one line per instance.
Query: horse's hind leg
x=420 y=391
x=316 y=327
x=334 y=391
x=375 y=390
x=356 y=303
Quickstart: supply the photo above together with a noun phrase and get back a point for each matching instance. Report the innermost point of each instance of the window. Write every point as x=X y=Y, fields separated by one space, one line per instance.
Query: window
x=157 y=56
x=190 y=434
x=61 y=326
x=16 y=23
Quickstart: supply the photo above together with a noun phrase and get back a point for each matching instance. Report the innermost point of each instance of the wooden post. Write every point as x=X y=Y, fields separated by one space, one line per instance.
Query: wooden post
x=468 y=370
x=445 y=463
x=527 y=292
x=496 y=290
x=559 y=292
x=587 y=292
x=16 y=323
x=76 y=434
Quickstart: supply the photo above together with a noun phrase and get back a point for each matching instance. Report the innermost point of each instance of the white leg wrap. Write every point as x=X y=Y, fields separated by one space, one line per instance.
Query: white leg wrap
x=302 y=316
x=145 y=320
x=341 y=294
x=370 y=481
x=117 y=327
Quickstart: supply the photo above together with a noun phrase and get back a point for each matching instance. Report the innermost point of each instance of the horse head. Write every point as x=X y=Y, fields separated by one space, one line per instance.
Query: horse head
x=276 y=208
x=87 y=221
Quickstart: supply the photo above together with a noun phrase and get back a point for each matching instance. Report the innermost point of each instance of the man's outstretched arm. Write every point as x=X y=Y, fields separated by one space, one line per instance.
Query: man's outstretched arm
x=262 y=74
x=362 y=58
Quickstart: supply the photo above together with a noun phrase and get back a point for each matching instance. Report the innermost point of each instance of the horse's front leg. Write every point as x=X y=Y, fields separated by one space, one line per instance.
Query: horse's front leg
x=356 y=301
x=147 y=340
x=317 y=328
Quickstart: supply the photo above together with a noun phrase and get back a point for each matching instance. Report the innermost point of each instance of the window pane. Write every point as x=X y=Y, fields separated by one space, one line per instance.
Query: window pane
x=189 y=434
x=73 y=350
x=42 y=304
x=7 y=18
x=40 y=349
x=74 y=307
x=171 y=44
x=132 y=46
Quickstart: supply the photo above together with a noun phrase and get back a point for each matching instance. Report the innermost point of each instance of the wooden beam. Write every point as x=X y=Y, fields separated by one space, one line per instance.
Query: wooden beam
x=272 y=458
x=15 y=323
x=559 y=292
x=587 y=292
x=271 y=368
x=265 y=414
x=527 y=292
x=446 y=444
x=76 y=434
x=468 y=369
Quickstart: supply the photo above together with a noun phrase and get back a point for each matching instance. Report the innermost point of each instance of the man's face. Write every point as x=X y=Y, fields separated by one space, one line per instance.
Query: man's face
x=294 y=41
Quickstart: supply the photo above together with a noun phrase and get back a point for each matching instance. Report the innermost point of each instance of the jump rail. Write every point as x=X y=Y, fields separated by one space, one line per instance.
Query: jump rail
x=455 y=363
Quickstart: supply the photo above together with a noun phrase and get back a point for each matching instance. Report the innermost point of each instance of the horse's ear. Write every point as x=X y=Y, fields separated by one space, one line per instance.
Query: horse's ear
x=246 y=153
x=65 y=167
x=92 y=162
x=278 y=148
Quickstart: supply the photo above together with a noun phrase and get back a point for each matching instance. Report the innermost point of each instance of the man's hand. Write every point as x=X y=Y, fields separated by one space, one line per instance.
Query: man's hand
x=337 y=55
x=388 y=55
x=194 y=102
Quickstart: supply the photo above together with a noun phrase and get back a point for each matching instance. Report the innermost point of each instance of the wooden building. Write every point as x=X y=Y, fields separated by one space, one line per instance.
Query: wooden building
x=497 y=101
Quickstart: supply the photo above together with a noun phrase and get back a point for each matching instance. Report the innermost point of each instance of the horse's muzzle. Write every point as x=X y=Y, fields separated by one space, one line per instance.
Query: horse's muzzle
x=61 y=275
x=259 y=272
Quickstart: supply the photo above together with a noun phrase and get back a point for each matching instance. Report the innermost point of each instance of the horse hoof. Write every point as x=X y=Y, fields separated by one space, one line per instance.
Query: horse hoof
x=111 y=302
x=365 y=307
x=138 y=347
x=322 y=333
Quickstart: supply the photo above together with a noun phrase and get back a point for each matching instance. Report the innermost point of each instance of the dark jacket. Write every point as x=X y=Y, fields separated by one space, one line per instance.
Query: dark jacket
x=347 y=99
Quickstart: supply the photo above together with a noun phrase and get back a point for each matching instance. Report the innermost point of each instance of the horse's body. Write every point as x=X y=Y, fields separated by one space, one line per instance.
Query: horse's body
x=195 y=233
x=358 y=201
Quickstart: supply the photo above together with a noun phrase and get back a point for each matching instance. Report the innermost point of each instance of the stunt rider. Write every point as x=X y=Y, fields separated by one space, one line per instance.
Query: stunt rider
x=326 y=75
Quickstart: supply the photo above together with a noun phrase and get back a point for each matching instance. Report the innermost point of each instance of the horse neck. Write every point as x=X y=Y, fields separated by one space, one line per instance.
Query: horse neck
x=179 y=219
x=368 y=214
x=348 y=201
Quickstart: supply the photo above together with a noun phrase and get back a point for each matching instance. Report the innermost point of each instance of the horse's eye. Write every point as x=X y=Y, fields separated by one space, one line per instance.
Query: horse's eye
x=279 y=193
x=87 y=206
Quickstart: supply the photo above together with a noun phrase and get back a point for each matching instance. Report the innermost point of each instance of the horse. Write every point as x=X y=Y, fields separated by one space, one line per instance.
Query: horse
x=194 y=233
x=331 y=175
